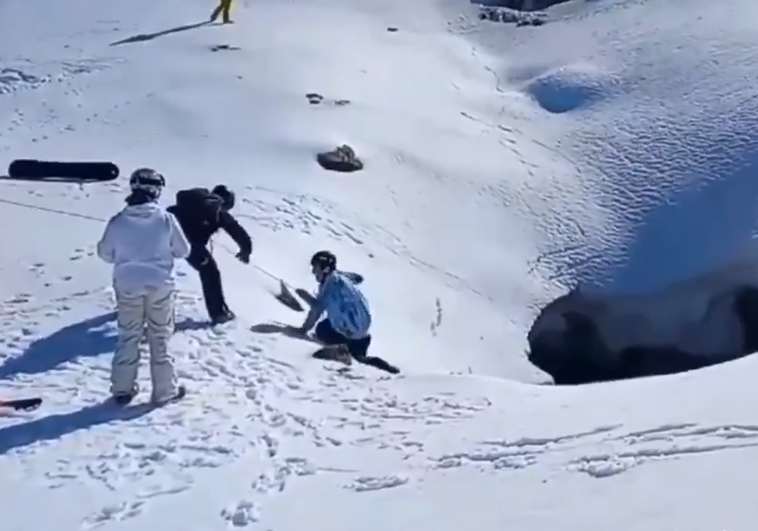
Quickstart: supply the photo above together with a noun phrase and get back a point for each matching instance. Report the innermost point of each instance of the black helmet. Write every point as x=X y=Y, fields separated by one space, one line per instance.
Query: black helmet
x=324 y=260
x=226 y=195
x=148 y=181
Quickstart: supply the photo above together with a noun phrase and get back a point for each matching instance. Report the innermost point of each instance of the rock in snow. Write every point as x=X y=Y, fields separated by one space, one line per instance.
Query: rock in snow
x=342 y=159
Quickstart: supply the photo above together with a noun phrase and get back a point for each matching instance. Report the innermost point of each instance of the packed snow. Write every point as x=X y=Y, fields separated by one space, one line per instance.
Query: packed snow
x=611 y=147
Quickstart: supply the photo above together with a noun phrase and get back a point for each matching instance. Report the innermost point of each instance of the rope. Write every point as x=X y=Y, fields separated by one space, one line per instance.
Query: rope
x=256 y=267
x=101 y=220
x=52 y=210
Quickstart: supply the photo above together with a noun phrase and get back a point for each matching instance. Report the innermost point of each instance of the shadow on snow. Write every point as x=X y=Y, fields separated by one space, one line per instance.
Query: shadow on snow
x=283 y=329
x=87 y=338
x=90 y=337
x=54 y=427
x=142 y=37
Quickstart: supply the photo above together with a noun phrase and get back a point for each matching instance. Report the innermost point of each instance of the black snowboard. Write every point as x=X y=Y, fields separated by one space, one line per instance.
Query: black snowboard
x=22 y=403
x=31 y=169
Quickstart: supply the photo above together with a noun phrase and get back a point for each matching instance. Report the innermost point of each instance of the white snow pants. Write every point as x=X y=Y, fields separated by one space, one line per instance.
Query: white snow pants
x=153 y=311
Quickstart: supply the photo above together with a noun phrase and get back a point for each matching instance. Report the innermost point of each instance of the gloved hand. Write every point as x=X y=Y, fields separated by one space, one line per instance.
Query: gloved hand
x=243 y=257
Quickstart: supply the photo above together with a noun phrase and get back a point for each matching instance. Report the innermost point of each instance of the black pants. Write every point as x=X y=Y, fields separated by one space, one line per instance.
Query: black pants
x=210 y=277
x=358 y=348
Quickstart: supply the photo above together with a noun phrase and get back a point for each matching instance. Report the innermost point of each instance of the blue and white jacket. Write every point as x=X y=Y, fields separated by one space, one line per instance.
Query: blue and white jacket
x=346 y=307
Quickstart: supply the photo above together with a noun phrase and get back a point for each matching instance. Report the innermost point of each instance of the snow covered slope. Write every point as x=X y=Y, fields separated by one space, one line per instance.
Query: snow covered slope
x=477 y=206
x=653 y=109
x=243 y=115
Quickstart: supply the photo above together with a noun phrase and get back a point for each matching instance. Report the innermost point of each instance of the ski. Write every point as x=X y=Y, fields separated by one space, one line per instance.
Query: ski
x=26 y=404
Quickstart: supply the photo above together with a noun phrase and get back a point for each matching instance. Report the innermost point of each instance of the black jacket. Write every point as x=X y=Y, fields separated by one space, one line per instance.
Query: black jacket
x=201 y=214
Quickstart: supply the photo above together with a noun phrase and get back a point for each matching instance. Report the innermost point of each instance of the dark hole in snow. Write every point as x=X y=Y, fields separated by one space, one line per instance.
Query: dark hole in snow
x=567 y=343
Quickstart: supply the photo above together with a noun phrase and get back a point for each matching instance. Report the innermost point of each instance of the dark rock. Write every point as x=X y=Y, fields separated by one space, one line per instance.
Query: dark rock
x=317 y=99
x=520 y=5
x=224 y=47
x=530 y=21
x=341 y=159
x=392 y=29
x=313 y=98
x=511 y=16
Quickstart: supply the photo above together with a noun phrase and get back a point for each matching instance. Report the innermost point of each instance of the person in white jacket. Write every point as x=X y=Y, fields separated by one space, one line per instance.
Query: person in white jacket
x=142 y=242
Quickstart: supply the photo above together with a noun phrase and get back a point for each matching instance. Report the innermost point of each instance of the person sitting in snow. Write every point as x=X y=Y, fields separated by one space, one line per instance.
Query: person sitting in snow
x=142 y=242
x=346 y=328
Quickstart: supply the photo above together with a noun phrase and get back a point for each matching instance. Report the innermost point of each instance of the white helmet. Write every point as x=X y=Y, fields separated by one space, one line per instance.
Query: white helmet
x=147 y=180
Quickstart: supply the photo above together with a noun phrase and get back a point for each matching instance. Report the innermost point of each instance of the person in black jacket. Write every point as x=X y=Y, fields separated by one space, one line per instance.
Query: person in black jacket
x=201 y=213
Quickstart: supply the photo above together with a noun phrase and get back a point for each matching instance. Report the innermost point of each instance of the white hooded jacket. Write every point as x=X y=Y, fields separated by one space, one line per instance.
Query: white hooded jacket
x=142 y=242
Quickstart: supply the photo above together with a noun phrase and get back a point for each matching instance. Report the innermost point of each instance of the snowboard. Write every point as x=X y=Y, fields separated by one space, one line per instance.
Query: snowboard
x=33 y=169
x=22 y=403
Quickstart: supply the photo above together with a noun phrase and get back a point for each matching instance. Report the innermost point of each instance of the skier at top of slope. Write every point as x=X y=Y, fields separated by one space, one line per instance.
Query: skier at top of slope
x=201 y=213
x=346 y=328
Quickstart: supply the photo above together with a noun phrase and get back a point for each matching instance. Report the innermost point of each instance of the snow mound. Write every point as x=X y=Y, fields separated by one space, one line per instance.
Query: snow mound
x=570 y=87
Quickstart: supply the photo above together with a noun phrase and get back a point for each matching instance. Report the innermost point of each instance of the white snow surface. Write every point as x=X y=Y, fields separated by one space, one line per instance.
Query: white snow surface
x=612 y=146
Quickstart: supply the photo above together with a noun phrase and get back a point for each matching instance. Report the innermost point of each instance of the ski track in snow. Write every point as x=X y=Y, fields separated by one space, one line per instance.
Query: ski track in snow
x=624 y=450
